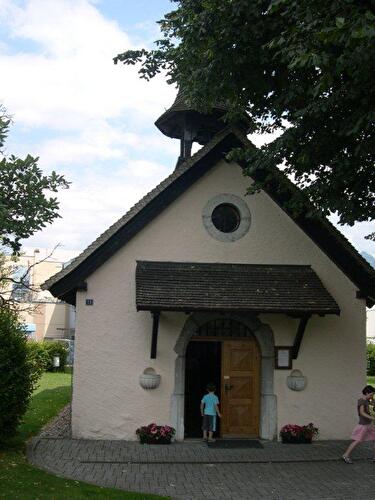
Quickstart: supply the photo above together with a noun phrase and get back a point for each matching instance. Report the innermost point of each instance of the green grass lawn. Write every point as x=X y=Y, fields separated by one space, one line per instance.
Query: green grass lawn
x=19 y=480
x=371 y=380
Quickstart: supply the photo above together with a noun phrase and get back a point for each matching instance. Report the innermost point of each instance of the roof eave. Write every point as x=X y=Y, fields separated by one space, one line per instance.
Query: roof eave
x=187 y=309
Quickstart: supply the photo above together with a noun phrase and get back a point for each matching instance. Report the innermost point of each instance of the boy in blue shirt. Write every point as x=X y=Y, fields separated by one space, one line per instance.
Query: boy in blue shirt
x=209 y=410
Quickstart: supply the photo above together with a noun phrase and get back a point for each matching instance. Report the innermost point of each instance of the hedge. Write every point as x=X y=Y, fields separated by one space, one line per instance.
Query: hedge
x=55 y=349
x=370 y=359
x=16 y=374
x=38 y=359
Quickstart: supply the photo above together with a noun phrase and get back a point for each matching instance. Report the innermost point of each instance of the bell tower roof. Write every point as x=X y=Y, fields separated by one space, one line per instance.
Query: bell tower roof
x=181 y=117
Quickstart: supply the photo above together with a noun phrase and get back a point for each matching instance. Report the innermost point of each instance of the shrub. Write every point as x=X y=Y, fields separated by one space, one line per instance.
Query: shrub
x=38 y=359
x=55 y=349
x=16 y=381
x=370 y=359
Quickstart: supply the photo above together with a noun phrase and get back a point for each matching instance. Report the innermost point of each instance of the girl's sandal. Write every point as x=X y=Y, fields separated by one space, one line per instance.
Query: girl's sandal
x=347 y=460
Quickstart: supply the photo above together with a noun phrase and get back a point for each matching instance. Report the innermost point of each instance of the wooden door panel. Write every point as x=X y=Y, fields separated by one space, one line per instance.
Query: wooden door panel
x=240 y=360
x=243 y=387
x=240 y=388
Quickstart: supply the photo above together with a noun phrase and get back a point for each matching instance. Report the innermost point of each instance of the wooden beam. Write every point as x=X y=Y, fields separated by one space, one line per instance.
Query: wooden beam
x=361 y=294
x=299 y=335
x=155 y=328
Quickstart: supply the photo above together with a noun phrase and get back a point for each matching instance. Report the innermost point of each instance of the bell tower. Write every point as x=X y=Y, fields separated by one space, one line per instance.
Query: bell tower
x=182 y=122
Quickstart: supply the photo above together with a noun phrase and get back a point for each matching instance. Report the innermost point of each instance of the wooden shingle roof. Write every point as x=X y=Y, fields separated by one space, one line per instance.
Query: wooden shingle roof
x=193 y=286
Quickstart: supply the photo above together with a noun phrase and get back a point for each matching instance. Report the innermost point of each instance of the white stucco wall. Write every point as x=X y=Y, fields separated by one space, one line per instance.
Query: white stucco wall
x=113 y=340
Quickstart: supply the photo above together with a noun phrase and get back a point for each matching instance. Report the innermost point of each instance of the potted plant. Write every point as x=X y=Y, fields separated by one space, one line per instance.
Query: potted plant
x=297 y=434
x=155 y=434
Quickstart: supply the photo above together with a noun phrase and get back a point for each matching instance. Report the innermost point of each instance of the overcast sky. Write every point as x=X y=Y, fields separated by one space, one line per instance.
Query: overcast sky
x=84 y=116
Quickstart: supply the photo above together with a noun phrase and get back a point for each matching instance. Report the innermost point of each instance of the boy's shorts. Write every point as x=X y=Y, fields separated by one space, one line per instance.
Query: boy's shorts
x=209 y=423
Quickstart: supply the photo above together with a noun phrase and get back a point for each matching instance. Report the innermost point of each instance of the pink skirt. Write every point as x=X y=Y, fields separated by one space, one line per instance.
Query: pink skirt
x=363 y=433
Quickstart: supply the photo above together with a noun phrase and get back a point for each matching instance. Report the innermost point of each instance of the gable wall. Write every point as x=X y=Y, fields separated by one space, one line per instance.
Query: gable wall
x=113 y=340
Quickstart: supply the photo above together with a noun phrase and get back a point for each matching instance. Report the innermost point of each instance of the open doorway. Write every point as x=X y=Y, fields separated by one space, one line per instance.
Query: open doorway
x=233 y=365
x=203 y=365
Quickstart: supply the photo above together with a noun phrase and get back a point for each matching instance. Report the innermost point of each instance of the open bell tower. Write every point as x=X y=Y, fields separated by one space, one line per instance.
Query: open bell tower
x=183 y=122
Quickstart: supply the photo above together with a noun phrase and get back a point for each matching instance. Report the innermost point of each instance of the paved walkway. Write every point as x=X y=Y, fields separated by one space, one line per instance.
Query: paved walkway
x=191 y=470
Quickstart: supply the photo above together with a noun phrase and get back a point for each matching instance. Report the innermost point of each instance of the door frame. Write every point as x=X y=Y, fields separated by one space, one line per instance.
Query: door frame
x=263 y=334
x=224 y=340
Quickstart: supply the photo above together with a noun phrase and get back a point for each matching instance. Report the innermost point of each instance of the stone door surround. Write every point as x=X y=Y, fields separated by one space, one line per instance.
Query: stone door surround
x=265 y=339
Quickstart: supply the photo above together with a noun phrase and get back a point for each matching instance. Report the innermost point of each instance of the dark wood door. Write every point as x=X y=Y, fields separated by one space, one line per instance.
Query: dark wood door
x=240 y=391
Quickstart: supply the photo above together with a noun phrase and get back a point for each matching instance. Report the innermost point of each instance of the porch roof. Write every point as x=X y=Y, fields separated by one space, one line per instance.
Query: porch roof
x=192 y=286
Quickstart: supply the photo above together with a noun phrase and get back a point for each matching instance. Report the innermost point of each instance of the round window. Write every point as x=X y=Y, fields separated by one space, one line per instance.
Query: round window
x=226 y=218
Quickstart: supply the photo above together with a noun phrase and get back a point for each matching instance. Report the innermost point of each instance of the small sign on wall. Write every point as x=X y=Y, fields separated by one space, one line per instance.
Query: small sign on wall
x=283 y=358
x=89 y=302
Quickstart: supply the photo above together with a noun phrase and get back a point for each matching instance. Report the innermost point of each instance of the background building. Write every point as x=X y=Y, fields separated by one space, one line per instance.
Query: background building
x=44 y=315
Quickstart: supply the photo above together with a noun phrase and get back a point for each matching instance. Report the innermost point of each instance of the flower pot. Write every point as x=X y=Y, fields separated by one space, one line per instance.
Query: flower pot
x=151 y=440
x=295 y=440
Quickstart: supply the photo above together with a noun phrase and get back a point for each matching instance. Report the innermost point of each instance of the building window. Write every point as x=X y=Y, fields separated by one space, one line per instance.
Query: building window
x=226 y=218
x=21 y=288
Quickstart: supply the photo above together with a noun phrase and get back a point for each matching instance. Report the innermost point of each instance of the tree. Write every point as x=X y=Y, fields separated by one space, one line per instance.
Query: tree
x=304 y=68
x=25 y=207
x=16 y=380
x=25 y=204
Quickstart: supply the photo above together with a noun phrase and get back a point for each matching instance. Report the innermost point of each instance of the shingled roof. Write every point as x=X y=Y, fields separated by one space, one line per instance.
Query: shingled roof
x=192 y=286
x=65 y=283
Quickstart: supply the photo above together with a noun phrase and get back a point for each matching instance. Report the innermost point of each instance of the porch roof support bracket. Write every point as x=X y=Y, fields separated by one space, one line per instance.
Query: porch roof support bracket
x=299 y=335
x=155 y=329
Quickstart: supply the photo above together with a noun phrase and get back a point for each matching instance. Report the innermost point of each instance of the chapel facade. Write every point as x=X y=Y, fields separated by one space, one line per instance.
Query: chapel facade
x=200 y=282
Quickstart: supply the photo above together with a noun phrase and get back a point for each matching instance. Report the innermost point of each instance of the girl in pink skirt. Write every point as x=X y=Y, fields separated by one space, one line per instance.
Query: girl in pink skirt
x=363 y=431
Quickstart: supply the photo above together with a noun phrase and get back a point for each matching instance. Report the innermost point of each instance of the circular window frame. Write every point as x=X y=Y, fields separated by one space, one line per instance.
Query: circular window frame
x=239 y=204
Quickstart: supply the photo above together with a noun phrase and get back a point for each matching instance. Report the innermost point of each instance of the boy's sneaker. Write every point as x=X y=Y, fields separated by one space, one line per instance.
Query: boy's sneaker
x=211 y=440
x=347 y=460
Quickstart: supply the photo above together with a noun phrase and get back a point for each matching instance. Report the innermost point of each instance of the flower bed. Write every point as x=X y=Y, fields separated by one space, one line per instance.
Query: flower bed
x=155 y=434
x=298 y=434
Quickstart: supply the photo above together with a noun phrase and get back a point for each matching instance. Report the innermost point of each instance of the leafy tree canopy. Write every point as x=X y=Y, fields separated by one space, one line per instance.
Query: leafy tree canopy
x=25 y=202
x=305 y=68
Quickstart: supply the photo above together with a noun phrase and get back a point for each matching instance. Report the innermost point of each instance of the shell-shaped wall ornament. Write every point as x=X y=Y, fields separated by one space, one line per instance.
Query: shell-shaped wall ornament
x=296 y=381
x=149 y=379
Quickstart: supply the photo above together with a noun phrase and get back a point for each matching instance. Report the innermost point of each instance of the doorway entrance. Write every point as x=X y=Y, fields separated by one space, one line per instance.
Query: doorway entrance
x=232 y=363
x=203 y=360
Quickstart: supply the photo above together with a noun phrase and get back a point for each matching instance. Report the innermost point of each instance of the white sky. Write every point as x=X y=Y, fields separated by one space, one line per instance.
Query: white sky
x=84 y=116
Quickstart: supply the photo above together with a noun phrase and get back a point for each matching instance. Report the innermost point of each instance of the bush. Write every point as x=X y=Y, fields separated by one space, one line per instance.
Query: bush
x=16 y=381
x=55 y=349
x=38 y=359
x=370 y=359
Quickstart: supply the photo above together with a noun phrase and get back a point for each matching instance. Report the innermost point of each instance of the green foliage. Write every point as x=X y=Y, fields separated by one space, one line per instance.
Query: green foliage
x=55 y=349
x=16 y=376
x=38 y=359
x=25 y=206
x=370 y=354
x=305 y=68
